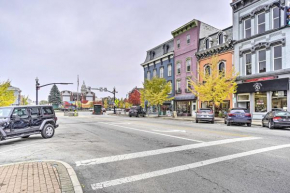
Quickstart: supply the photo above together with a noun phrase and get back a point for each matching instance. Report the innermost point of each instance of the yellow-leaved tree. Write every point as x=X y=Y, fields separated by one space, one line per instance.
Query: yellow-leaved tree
x=106 y=103
x=156 y=92
x=214 y=85
x=142 y=98
x=6 y=96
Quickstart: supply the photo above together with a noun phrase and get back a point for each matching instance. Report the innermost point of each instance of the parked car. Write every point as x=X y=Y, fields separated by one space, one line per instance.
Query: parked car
x=104 y=110
x=238 y=116
x=204 y=114
x=23 y=121
x=274 y=119
x=136 y=111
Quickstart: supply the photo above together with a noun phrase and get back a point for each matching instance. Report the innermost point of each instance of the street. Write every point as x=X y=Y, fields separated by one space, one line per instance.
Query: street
x=122 y=154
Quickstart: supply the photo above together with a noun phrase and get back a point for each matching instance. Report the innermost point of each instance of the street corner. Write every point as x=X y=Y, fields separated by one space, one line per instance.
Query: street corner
x=39 y=176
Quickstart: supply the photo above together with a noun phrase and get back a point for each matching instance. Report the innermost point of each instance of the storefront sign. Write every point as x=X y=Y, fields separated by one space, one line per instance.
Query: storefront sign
x=264 y=86
x=260 y=79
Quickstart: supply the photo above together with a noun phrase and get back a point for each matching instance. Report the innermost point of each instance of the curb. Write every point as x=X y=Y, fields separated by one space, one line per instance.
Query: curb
x=72 y=174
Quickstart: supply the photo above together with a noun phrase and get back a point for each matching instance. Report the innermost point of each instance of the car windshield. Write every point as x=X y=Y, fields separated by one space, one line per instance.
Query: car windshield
x=240 y=111
x=5 y=112
x=204 y=111
x=282 y=113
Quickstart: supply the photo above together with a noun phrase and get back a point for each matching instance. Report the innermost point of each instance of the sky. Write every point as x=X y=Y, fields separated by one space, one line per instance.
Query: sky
x=102 y=41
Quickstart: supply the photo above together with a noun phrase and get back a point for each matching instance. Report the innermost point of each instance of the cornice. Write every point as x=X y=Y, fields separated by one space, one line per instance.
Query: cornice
x=184 y=28
x=159 y=58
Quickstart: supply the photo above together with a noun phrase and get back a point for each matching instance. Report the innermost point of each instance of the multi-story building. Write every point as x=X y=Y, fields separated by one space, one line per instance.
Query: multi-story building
x=219 y=45
x=84 y=95
x=160 y=63
x=261 y=55
x=186 y=42
x=17 y=94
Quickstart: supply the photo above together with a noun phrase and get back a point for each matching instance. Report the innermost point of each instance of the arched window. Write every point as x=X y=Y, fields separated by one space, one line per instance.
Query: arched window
x=207 y=70
x=178 y=68
x=221 y=38
x=169 y=70
x=154 y=73
x=148 y=75
x=222 y=67
x=161 y=72
x=188 y=65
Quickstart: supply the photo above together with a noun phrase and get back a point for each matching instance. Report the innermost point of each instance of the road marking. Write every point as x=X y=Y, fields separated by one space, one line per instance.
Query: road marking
x=159 y=151
x=16 y=148
x=153 y=132
x=182 y=168
x=170 y=131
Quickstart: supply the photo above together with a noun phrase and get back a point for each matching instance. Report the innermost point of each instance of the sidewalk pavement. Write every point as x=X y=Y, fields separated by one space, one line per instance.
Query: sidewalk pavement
x=38 y=177
x=217 y=119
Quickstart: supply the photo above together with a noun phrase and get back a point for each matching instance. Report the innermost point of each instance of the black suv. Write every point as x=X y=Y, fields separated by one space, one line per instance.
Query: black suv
x=23 y=121
x=136 y=111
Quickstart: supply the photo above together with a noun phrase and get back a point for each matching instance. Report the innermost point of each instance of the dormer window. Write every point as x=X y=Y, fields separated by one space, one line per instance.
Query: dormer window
x=221 y=38
x=152 y=54
x=165 y=48
x=207 y=44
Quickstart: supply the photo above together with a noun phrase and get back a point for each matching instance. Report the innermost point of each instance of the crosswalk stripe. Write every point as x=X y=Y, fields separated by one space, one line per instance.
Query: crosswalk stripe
x=157 y=173
x=160 y=151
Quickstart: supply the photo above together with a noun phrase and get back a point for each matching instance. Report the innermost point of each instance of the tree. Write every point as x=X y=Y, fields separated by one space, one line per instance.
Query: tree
x=134 y=97
x=106 y=103
x=142 y=98
x=7 y=97
x=121 y=103
x=156 y=91
x=43 y=102
x=24 y=100
x=54 y=96
x=214 y=85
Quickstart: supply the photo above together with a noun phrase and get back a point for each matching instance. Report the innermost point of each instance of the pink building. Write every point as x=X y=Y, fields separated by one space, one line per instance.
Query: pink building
x=186 y=42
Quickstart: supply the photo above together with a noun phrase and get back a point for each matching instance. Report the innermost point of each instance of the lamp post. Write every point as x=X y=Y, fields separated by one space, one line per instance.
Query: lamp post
x=38 y=86
x=106 y=90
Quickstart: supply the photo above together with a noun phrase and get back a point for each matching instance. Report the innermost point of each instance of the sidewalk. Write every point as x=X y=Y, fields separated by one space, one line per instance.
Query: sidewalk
x=217 y=119
x=38 y=177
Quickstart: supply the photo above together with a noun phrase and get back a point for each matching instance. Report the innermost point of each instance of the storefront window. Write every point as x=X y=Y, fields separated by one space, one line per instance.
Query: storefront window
x=279 y=100
x=261 y=102
x=183 y=108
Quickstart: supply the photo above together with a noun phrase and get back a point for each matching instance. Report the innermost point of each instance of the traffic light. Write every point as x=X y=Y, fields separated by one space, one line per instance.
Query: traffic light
x=287 y=16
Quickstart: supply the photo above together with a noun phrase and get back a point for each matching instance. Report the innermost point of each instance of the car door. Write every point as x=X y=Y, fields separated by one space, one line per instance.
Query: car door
x=36 y=118
x=20 y=120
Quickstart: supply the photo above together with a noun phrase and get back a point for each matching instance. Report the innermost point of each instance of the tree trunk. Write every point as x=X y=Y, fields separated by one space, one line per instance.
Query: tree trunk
x=158 y=106
x=213 y=108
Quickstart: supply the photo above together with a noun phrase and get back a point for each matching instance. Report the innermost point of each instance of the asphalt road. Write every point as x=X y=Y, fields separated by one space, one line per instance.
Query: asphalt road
x=122 y=154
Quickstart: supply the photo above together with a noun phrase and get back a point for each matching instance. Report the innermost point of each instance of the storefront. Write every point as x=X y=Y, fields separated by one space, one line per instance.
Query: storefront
x=185 y=105
x=219 y=110
x=263 y=96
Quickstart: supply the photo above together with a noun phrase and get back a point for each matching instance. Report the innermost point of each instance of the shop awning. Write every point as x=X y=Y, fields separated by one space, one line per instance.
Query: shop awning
x=185 y=98
x=264 y=86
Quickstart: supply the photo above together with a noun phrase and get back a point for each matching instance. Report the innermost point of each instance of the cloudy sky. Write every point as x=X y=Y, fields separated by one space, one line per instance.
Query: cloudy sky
x=102 y=41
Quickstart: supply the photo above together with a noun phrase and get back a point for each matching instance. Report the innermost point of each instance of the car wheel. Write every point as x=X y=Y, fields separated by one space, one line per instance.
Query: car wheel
x=228 y=123
x=225 y=122
x=263 y=124
x=212 y=122
x=25 y=136
x=47 y=131
x=249 y=124
x=270 y=125
x=130 y=115
x=143 y=115
x=196 y=121
x=137 y=115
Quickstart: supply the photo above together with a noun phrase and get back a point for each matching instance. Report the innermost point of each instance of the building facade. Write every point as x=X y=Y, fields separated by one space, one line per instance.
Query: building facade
x=17 y=94
x=159 y=62
x=186 y=42
x=219 y=45
x=84 y=95
x=261 y=55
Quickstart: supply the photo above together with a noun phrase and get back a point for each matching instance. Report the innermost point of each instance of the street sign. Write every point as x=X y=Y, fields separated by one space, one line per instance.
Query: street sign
x=117 y=102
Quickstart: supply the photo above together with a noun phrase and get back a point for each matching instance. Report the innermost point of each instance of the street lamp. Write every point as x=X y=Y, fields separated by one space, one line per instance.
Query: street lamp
x=38 y=86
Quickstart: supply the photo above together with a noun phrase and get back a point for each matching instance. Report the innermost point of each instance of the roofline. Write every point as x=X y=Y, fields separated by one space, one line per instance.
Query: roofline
x=160 y=45
x=155 y=59
x=216 y=32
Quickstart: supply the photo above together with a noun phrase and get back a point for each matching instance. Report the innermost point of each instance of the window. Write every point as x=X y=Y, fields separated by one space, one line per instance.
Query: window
x=154 y=73
x=169 y=70
x=148 y=75
x=35 y=112
x=278 y=57
x=178 y=89
x=261 y=23
x=221 y=38
x=222 y=67
x=178 y=43
x=22 y=113
x=262 y=61
x=279 y=100
x=188 y=64
x=261 y=102
x=207 y=70
x=161 y=72
x=188 y=39
x=170 y=87
x=47 y=111
x=207 y=46
x=248 y=58
x=276 y=20
x=188 y=85
x=178 y=67
x=248 y=27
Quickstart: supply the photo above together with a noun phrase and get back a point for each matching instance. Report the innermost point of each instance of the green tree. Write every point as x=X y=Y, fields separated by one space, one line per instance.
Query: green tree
x=156 y=92
x=24 y=100
x=43 y=102
x=214 y=85
x=54 y=96
x=121 y=103
x=7 y=97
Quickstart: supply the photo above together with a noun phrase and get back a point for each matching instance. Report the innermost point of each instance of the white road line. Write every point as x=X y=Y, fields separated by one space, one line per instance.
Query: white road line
x=153 y=132
x=182 y=168
x=159 y=151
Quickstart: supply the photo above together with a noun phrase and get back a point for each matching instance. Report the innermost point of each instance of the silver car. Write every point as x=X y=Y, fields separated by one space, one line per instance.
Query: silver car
x=205 y=114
